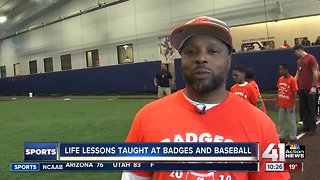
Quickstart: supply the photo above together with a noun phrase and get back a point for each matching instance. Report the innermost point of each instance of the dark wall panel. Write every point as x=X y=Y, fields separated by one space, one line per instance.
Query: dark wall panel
x=138 y=77
x=128 y=78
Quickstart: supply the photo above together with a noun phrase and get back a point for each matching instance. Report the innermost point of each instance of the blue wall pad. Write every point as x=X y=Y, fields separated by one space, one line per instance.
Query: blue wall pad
x=124 y=78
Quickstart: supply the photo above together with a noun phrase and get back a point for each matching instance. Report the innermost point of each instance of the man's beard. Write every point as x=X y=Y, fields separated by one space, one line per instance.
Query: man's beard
x=205 y=85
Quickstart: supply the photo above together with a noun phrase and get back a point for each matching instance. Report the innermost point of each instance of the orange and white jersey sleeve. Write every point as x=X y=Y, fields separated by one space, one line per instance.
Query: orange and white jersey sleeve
x=253 y=94
x=246 y=91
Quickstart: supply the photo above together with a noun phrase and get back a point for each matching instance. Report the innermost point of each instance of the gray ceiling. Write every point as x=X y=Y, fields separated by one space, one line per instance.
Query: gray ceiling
x=20 y=12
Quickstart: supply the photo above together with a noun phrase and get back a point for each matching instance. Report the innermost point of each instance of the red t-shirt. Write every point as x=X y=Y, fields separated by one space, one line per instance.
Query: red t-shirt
x=286 y=88
x=246 y=91
x=304 y=68
x=260 y=102
x=174 y=119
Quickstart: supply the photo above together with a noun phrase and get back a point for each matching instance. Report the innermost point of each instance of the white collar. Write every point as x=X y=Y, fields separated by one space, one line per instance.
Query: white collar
x=244 y=84
x=208 y=106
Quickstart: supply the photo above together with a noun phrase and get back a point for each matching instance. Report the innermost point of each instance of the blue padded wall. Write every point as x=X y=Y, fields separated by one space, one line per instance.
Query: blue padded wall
x=125 y=78
x=138 y=77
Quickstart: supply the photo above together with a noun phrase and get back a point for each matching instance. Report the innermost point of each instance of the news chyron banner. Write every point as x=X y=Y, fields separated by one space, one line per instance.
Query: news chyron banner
x=139 y=156
x=154 y=156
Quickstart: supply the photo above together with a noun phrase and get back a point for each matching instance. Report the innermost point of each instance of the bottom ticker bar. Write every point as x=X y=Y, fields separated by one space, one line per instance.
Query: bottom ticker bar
x=76 y=166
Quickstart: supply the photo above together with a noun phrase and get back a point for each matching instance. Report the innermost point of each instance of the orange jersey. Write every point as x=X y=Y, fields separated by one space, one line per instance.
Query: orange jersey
x=260 y=102
x=286 y=88
x=246 y=91
x=174 y=119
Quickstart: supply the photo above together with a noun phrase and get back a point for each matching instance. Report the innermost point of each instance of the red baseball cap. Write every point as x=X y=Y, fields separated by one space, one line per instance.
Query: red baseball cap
x=201 y=25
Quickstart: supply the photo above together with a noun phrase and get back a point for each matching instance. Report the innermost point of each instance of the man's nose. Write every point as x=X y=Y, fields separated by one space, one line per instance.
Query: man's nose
x=201 y=58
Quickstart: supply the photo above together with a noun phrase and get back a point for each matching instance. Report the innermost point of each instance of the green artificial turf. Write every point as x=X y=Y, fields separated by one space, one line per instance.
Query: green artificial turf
x=56 y=120
x=274 y=116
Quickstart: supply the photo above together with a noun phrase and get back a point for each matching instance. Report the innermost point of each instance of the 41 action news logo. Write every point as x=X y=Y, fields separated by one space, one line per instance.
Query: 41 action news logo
x=294 y=151
x=282 y=152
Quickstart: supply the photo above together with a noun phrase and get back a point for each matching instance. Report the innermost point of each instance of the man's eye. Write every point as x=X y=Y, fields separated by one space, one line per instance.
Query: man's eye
x=213 y=51
x=189 y=52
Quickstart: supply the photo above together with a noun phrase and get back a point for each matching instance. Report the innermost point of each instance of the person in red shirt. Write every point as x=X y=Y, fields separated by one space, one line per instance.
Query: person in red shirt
x=242 y=88
x=249 y=77
x=204 y=111
x=307 y=78
x=287 y=91
x=285 y=44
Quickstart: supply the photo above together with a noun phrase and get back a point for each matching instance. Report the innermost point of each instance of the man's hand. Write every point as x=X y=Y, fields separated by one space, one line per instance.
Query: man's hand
x=313 y=90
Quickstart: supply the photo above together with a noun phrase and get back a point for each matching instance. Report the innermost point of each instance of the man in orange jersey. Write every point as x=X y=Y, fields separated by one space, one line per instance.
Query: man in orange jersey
x=242 y=88
x=249 y=77
x=204 y=111
x=287 y=92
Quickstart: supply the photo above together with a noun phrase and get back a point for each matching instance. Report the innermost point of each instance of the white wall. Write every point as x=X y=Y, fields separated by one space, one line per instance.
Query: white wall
x=281 y=30
x=138 y=22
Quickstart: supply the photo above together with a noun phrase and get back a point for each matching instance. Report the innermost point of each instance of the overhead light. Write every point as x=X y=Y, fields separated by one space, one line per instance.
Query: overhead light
x=3 y=19
x=125 y=46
